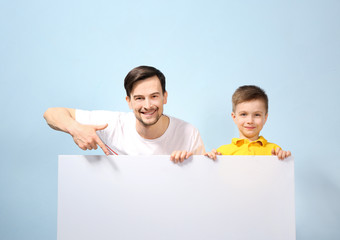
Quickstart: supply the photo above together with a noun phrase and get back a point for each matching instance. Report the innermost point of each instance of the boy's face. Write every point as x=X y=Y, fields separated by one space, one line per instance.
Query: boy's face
x=250 y=118
x=147 y=100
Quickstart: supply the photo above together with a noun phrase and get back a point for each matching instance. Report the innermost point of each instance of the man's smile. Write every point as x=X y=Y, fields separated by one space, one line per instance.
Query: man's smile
x=148 y=113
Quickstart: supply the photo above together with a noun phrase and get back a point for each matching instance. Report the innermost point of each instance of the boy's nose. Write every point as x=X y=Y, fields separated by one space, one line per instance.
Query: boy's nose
x=250 y=119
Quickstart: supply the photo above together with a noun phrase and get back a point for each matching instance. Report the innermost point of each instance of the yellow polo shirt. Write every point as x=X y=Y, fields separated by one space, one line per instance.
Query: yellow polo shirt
x=244 y=147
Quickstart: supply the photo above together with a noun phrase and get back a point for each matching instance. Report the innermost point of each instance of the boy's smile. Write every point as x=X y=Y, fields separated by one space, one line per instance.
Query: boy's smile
x=250 y=118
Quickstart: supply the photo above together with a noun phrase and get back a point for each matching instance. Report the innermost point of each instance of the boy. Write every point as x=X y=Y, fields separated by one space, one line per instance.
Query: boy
x=250 y=113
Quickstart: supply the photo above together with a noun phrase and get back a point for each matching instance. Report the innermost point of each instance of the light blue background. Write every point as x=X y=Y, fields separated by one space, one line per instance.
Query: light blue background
x=77 y=53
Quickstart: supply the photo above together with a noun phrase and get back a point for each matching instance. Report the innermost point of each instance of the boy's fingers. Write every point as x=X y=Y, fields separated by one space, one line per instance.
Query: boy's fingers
x=288 y=154
x=273 y=151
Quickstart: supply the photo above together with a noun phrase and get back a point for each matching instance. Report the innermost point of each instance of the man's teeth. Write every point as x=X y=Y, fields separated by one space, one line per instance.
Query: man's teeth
x=148 y=113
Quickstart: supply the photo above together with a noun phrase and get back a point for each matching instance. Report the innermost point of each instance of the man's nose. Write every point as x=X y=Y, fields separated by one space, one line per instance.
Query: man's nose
x=147 y=103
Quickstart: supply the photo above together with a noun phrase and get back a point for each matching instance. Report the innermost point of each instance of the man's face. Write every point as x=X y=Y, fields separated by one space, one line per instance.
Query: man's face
x=250 y=118
x=146 y=100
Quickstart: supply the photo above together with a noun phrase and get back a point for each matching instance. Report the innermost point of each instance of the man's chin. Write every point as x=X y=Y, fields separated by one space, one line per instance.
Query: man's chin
x=148 y=122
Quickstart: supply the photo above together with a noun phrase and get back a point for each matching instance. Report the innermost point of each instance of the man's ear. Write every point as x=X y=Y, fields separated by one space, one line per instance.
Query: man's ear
x=128 y=100
x=165 y=97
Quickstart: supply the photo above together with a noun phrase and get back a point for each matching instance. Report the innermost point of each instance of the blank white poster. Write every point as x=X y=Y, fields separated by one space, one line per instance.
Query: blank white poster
x=149 y=197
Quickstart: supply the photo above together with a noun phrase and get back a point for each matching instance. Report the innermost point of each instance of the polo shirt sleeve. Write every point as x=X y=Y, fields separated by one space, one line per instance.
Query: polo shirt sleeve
x=225 y=149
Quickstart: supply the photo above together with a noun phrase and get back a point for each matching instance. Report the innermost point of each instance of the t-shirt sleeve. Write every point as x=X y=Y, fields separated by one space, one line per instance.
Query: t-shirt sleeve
x=93 y=117
x=115 y=121
x=197 y=146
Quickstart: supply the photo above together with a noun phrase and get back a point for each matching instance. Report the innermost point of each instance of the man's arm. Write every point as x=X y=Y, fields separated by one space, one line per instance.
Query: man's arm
x=85 y=136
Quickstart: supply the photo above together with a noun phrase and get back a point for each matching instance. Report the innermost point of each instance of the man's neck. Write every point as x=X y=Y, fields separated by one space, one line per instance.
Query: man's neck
x=154 y=131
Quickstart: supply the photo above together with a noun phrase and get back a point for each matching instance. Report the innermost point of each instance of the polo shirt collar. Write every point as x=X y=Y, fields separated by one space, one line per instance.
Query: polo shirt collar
x=239 y=141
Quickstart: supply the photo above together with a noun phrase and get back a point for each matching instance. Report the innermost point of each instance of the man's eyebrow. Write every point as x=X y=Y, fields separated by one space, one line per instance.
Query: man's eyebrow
x=137 y=96
x=140 y=95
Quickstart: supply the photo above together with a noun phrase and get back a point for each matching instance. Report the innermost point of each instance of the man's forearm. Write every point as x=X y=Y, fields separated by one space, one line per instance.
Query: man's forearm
x=60 y=119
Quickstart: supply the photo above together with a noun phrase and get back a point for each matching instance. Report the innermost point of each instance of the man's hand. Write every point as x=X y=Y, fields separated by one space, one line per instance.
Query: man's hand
x=179 y=156
x=280 y=153
x=86 y=138
x=212 y=154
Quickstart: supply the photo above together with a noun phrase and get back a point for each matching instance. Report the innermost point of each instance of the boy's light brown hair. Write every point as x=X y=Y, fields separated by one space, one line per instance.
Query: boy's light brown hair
x=248 y=93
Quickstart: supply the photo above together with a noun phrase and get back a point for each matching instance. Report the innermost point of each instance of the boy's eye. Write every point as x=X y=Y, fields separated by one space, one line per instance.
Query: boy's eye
x=243 y=114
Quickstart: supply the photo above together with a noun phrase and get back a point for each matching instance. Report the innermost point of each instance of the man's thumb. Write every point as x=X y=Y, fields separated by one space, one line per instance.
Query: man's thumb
x=101 y=127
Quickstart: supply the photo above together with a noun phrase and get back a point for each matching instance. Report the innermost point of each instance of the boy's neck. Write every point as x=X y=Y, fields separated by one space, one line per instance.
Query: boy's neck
x=250 y=139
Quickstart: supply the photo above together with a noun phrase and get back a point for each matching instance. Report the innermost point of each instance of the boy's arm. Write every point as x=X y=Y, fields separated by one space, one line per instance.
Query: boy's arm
x=280 y=153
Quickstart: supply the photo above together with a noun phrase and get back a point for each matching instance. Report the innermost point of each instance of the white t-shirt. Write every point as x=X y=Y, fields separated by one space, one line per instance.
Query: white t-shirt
x=121 y=134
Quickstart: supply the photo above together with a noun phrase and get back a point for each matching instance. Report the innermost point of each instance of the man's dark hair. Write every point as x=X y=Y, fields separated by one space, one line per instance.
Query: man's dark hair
x=141 y=73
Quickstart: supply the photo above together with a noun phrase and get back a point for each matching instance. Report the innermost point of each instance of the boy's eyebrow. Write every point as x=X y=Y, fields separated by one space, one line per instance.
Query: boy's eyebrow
x=260 y=111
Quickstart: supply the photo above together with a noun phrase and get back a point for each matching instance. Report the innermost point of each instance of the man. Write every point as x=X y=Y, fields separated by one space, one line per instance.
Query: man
x=146 y=131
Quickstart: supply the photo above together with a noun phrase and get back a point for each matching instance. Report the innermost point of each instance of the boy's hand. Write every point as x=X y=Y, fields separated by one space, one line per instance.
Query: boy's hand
x=179 y=156
x=280 y=153
x=212 y=154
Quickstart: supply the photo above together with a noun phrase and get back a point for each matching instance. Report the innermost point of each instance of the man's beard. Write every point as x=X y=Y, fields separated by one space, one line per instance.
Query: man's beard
x=149 y=124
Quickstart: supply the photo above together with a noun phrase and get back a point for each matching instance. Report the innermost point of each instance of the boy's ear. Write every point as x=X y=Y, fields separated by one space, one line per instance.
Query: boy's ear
x=128 y=100
x=233 y=116
x=265 y=120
